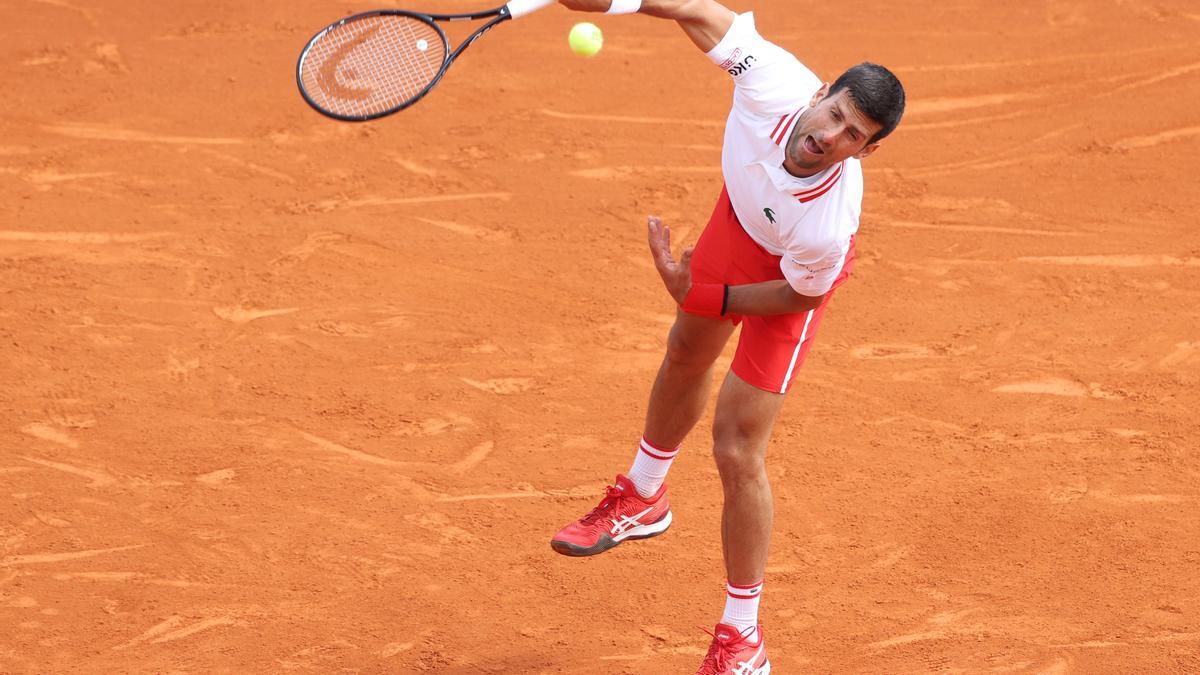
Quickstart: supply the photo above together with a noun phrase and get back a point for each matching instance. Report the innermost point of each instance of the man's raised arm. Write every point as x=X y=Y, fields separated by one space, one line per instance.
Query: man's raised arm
x=704 y=21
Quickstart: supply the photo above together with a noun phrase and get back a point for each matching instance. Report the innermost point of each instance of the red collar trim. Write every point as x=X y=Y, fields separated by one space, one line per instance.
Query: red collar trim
x=826 y=185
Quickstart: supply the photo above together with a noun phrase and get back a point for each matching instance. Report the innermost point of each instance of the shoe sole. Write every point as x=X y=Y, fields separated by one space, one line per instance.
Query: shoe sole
x=606 y=542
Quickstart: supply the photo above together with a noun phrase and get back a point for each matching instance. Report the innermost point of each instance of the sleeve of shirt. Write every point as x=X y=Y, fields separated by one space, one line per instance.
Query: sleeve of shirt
x=813 y=278
x=766 y=77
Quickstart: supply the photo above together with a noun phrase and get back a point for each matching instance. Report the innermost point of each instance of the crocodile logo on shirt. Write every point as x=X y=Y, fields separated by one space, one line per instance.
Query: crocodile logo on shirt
x=770 y=215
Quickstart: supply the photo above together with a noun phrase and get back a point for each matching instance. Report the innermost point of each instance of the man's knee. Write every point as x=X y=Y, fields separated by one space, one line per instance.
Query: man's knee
x=742 y=428
x=692 y=349
x=739 y=447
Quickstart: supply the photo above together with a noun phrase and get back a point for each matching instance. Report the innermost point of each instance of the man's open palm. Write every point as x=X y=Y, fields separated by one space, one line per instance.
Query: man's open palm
x=677 y=275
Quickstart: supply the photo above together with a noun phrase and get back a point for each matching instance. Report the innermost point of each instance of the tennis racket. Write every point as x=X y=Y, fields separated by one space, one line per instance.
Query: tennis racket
x=377 y=63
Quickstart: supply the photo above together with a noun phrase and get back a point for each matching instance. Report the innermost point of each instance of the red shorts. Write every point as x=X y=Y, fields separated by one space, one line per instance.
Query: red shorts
x=770 y=348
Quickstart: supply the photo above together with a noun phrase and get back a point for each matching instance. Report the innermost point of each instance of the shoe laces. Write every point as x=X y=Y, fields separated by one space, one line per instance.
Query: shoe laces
x=721 y=652
x=612 y=500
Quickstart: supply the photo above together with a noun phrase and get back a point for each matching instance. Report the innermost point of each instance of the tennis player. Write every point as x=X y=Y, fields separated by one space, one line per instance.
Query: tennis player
x=778 y=244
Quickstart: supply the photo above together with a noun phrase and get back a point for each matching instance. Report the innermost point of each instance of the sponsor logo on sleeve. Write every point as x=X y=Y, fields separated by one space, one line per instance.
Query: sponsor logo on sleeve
x=733 y=58
x=811 y=272
x=741 y=66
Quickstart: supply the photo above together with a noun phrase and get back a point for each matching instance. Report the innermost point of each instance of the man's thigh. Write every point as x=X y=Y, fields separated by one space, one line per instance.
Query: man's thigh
x=771 y=349
x=697 y=339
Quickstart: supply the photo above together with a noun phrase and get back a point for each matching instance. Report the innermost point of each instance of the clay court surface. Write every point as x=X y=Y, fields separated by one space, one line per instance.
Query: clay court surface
x=284 y=394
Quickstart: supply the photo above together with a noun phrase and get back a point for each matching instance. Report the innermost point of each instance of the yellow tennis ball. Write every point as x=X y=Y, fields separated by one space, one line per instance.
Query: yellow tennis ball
x=585 y=39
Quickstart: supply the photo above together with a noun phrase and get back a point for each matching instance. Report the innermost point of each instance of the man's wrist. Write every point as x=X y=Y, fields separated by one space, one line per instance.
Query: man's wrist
x=624 y=6
x=710 y=300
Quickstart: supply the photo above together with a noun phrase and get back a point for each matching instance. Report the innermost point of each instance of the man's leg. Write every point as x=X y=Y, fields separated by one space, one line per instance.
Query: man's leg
x=685 y=377
x=678 y=397
x=741 y=429
x=636 y=507
x=742 y=426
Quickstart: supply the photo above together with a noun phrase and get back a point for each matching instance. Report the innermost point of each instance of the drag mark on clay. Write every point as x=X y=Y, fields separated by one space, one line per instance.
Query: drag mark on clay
x=573 y=493
x=949 y=104
x=502 y=386
x=606 y=173
x=97 y=132
x=81 y=237
x=237 y=161
x=1161 y=637
x=170 y=630
x=473 y=458
x=98 y=478
x=1157 y=77
x=924 y=126
x=38 y=558
x=633 y=120
x=1143 y=498
x=1060 y=666
x=218 y=477
x=1114 y=260
x=393 y=648
x=135 y=577
x=311 y=244
x=332 y=204
x=893 y=351
x=47 y=178
x=1034 y=63
x=1186 y=353
x=467 y=230
x=945 y=227
x=1004 y=158
x=241 y=315
x=1053 y=386
x=648 y=653
x=1156 y=139
x=355 y=454
x=414 y=167
x=87 y=14
x=49 y=433
x=911 y=637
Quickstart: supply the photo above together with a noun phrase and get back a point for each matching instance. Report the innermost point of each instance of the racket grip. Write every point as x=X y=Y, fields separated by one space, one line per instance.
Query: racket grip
x=519 y=8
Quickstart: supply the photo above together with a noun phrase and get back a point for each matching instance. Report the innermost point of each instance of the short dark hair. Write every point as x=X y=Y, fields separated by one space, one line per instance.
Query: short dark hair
x=876 y=92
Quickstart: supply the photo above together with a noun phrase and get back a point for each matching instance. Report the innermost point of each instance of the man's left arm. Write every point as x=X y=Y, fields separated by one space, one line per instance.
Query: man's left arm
x=766 y=298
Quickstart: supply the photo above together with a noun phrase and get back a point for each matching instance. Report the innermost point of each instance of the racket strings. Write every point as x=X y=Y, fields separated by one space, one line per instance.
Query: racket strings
x=372 y=65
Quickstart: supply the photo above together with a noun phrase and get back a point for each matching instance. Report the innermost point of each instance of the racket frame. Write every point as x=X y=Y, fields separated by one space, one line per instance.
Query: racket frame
x=498 y=15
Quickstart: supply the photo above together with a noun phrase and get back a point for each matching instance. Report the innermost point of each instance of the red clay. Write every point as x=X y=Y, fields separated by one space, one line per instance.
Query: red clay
x=285 y=394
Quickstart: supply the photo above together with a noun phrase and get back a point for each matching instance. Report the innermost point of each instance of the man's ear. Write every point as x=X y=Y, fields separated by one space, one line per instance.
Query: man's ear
x=821 y=93
x=868 y=150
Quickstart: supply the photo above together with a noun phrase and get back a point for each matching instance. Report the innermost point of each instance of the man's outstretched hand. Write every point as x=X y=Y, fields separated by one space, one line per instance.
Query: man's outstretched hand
x=676 y=275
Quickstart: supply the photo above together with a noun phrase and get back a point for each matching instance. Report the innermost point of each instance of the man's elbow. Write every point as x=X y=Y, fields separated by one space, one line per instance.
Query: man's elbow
x=804 y=303
x=679 y=10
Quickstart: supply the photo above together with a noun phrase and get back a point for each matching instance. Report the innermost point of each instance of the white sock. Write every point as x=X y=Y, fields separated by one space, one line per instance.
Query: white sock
x=741 y=609
x=650 y=467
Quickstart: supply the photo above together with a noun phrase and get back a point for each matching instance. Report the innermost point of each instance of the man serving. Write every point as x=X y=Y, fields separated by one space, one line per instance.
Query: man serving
x=780 y=241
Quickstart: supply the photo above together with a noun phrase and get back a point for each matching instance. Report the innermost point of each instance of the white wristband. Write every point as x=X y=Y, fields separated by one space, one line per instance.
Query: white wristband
x=624 y=6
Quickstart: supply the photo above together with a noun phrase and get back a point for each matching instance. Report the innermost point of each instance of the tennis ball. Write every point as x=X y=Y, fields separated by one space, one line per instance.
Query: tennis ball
x=585 y=39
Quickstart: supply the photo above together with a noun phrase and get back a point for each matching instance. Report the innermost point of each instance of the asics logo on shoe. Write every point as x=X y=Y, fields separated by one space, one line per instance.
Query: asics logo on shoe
x=626 y=522
x=747 y=667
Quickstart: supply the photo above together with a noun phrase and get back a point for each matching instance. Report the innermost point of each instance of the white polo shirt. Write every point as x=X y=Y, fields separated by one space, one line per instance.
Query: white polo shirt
x=807 y=221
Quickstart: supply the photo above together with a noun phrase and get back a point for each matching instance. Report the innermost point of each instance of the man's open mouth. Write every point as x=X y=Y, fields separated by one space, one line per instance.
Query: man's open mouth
x=810 y=144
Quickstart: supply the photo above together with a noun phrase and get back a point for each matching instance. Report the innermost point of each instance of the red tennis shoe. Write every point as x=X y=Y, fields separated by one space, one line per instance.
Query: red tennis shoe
x=731 y=654
x=622 y=514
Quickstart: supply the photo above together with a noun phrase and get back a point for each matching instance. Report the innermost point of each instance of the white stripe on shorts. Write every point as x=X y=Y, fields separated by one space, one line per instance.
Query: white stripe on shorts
x=796 y=354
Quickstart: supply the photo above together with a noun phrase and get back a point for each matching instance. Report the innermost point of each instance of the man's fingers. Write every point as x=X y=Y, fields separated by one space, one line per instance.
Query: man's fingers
x=686 y=258
x=659 y=236
x=652 y=231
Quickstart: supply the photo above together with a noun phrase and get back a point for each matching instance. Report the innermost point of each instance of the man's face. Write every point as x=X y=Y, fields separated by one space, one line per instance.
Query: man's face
x=831 y=130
